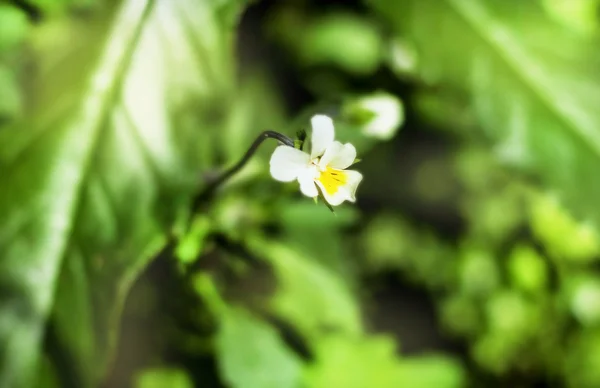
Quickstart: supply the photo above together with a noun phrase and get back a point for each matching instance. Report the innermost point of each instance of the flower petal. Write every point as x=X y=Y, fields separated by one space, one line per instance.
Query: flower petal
x=338 y=155
x=346 y=192
x=354 y=178
x=322 y=134
x=287 y=163
x=306 y=178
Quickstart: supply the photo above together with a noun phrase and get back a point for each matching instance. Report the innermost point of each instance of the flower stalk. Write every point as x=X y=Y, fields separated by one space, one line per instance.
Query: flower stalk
x=212 y=187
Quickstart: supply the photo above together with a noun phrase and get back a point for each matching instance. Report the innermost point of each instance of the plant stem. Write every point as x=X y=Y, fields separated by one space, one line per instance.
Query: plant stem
x=210 y=189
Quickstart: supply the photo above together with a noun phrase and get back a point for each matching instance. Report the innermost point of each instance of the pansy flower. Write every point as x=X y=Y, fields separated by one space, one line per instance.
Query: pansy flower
x=323 y=170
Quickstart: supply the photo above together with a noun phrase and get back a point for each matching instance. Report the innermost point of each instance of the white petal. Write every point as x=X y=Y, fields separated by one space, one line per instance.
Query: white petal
x=338 y=155
x=306 y=178
x=287 y=163
x=347 y=192
x=354 y=178
x=322 y=134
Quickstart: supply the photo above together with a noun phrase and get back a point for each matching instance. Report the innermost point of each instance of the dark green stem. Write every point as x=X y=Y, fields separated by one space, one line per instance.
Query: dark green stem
x=210 y=189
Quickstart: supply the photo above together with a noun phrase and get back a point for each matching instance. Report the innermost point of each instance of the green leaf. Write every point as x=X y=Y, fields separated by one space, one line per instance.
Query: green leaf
x=528 y=270
x=60 y=6
x=10 y=97
x=579 y=15
x=13 y=27
x=190 y=245
x=251 y=354
x=371 y=362
x=562 y=236
x=582 y=364
x=91 y=180
x=533 y=84
x=432 y=371
x=348 y=41
x=309 y=296
x=354 y=362
x=163 y=377
x=342 y=39
x=316 y=233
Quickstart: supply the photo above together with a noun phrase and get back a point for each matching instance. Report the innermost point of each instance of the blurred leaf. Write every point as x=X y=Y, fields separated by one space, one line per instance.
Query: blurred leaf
x=309 y=296
x=10 y=95
x=371 y=362
x=580 y=15
x=534 y=85
x=444 y=110
x=348 y=41
x=190 y=244
x=206 y=287
x=13 y=27
x=432 y=371
x=352 y=362
x=495 y=202
x=527 y=269
x=493 y=353
x=301 y=215
x=582 y=363
x=163 y=377
x=563 y=237
x=46 y=375
x=479 y=275
x=583 y=295
x=513 y=322
x=460 y=314
x=13 y=31
x=95 y=174
x=388 y=241
x=251 y=354
x=393 y=243
x=58 y=7
x=313 y=230
x=512 y=315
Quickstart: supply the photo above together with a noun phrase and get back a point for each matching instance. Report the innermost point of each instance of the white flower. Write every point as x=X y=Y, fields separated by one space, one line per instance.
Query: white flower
x=388 y=114
x=324 y=167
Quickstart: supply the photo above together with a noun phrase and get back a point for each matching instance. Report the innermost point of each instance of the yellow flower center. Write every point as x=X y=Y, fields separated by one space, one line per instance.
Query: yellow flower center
x=332 y=180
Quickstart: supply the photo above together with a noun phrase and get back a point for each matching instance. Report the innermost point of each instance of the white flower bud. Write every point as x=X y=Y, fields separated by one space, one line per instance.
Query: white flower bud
x=381 y=115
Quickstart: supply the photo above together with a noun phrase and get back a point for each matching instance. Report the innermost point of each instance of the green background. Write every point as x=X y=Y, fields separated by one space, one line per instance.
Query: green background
x=469 y=259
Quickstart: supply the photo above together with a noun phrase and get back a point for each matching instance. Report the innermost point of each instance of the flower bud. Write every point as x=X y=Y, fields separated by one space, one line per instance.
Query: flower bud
x=379 y=115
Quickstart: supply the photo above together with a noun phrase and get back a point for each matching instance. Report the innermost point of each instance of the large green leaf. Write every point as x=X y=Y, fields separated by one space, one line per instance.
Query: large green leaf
x=533 y=84
x=314 y=299
x=119 y=105
x=369 y=361
x=364 y=361
x=251 y=354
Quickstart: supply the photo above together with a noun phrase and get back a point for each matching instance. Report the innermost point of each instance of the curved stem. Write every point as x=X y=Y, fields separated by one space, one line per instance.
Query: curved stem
x=210 y=189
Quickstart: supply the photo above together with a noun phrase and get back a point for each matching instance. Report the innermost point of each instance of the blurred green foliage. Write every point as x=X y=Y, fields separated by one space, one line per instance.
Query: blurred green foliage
x=13 y=32
x=114 y=115
x=163 y=377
